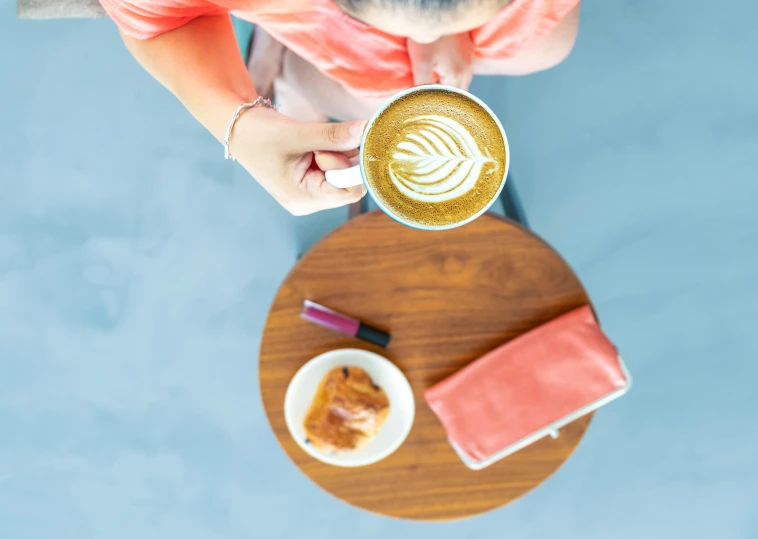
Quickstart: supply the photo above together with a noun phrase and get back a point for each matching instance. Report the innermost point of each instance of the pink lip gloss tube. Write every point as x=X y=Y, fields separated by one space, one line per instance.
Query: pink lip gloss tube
x=318 y=314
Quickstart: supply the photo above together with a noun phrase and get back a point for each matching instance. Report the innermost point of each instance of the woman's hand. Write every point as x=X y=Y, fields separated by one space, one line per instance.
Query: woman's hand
x=289 y=158
x=450 y=58
x=201 y=64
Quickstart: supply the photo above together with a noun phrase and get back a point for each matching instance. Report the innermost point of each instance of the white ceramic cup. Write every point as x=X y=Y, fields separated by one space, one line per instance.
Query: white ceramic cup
x=356 y=175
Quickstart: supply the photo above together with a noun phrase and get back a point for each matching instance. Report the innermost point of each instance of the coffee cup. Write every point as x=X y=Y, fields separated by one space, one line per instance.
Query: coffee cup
x=432 y=157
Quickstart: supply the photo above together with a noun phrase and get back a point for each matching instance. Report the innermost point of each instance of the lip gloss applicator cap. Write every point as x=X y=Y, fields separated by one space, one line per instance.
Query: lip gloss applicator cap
x=323 y=316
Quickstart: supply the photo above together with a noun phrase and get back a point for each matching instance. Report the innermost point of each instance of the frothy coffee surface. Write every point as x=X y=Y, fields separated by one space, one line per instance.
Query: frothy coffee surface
x=434 y=158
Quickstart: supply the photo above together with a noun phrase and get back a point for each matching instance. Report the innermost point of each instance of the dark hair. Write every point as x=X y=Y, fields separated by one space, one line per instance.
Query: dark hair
x=356 y=6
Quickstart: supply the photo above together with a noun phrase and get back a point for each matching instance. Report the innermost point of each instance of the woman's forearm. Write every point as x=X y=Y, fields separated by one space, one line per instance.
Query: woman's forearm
x=200 y=63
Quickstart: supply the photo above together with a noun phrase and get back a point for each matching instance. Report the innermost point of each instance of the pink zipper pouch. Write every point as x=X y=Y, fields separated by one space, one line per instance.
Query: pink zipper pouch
x=528 y=388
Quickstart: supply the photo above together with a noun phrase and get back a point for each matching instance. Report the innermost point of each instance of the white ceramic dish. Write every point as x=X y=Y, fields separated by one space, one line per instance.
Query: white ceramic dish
x=384 y=373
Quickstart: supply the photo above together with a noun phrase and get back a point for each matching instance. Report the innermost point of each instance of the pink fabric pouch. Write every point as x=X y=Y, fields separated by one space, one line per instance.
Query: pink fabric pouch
x=528 y=388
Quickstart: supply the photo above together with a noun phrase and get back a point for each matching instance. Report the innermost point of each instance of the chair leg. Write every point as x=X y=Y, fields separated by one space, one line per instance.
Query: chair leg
x=512 y=204
x=357 y=208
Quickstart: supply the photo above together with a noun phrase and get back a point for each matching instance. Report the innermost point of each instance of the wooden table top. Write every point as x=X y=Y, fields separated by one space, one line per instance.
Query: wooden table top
x=446 y=298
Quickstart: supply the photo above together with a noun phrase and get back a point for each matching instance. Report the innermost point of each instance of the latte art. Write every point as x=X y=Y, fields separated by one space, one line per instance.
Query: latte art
x=434 y=158
x=437 y=159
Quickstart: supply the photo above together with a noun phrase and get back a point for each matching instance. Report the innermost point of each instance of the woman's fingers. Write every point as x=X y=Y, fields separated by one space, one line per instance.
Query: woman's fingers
x=344 y=196
x=335 y=161
x=332 y=160
x=336 y=137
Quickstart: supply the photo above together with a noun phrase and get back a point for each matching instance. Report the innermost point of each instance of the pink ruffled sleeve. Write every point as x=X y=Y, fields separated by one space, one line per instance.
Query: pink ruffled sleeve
x=518 y=26
x=143 y=19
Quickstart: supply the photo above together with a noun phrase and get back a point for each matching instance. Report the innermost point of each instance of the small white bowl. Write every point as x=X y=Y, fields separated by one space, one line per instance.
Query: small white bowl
x=302 y=389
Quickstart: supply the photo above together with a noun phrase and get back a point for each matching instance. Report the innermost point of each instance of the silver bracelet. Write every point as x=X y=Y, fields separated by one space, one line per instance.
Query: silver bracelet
x=262 y=101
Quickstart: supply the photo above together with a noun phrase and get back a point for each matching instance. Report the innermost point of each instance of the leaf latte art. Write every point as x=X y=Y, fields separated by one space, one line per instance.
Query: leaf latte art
x=437 y=159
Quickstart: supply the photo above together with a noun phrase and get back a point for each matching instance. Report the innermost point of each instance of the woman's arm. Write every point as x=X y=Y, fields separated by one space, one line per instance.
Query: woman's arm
x=201 y=64
x=452 y=57
x=546 y=53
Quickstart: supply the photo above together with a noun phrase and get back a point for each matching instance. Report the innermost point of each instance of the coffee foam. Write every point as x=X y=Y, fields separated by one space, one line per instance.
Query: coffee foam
x=434 y=157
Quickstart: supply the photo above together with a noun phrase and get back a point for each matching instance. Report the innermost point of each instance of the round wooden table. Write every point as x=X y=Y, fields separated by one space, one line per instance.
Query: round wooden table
x=446 y=298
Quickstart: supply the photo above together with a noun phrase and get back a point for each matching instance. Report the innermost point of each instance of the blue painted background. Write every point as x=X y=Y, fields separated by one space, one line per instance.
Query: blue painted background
x=136 y=268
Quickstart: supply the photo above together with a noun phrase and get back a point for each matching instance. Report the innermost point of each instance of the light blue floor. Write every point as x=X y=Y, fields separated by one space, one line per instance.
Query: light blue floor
x=136 y=268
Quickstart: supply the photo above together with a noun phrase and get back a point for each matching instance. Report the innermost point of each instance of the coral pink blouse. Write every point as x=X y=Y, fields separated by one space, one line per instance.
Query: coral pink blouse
x=364 y=60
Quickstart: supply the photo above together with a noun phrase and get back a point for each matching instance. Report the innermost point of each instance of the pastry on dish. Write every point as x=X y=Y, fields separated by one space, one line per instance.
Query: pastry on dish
x=347 y=411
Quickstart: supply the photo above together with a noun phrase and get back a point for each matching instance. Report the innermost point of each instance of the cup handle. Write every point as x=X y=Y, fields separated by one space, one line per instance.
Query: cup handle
x=345 y=177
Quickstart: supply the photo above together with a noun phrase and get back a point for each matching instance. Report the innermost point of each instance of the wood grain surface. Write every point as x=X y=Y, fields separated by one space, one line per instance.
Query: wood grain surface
x=446 y=298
